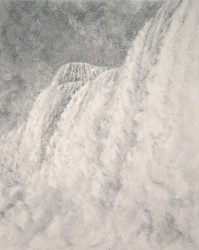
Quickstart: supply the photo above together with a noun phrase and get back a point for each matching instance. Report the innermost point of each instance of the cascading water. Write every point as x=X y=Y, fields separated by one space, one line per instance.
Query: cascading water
x=108 y=158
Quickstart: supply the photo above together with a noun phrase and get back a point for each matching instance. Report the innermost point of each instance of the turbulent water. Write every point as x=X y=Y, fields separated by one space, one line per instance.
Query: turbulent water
x=108 y=158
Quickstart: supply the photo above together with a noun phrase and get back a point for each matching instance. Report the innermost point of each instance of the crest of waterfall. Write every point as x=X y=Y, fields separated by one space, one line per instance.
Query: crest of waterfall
x=108 y=158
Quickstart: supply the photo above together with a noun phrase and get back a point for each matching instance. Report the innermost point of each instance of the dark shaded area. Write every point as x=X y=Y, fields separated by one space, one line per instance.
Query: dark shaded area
x=37 y=37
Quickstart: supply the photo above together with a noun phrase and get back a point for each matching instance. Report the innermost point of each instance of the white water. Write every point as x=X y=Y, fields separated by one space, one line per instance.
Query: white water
x=111 y=160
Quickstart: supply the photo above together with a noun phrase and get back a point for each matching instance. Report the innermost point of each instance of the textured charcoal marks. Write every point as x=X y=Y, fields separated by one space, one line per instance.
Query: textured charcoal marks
x=47 y=110
x=108 y=158
x=68 y=80
x=37 y=37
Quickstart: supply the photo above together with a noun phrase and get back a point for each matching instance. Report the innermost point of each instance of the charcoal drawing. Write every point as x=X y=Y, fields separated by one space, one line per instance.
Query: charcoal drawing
x=99 y=125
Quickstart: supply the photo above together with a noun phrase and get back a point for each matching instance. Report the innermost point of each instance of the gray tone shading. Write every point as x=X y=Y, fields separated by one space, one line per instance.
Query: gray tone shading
x=38 y=37
x=105 y=152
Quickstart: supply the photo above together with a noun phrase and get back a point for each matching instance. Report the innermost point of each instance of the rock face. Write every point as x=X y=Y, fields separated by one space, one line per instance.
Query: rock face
x=109 y=158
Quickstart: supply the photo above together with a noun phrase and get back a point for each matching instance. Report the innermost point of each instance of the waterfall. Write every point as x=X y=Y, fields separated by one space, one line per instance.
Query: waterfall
x=108 y=158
